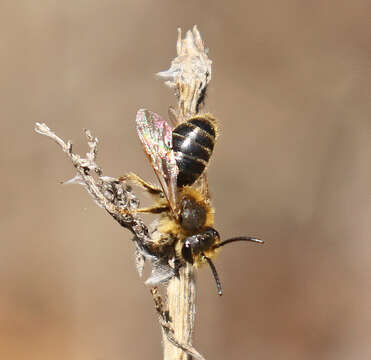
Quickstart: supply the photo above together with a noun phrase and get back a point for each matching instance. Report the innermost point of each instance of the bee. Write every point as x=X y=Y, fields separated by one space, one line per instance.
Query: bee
x=179 y=158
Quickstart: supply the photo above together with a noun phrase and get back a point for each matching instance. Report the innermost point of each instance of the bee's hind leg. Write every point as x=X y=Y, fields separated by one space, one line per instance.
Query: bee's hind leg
x=152 y=189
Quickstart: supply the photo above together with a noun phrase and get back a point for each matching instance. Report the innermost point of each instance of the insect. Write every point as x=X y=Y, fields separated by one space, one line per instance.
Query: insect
x=179 y=158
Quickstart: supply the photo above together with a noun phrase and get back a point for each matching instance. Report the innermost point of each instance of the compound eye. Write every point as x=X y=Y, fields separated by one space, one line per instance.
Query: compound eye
x=187 y=252
x=214 y=234
x=207 y=239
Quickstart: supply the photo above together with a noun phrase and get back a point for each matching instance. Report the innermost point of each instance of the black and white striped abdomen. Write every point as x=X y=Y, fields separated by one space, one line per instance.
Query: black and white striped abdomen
x=193 y=144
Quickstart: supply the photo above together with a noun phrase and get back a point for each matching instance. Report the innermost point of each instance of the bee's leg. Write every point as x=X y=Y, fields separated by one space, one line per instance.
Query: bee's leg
x=157 y=209
x=177 y=266
x=153 y=190
x=141 y=183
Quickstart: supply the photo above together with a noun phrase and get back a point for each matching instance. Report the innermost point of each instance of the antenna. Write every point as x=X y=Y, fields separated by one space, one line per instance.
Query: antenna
x=239 y=238
x=215 y=274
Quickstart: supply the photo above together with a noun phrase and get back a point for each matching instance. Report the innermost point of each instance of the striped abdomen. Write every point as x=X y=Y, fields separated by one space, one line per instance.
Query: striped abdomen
x=193 y=144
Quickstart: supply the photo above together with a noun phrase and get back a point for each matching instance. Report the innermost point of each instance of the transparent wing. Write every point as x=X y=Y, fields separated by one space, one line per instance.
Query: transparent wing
x=203 y=186
x=155 y=135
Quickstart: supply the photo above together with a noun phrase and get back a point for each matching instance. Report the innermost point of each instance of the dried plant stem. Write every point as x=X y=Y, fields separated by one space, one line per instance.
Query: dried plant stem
x=181 y=294
x=189 y=74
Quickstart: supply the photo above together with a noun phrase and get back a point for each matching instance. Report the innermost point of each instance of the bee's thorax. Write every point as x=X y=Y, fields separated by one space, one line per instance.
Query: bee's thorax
x=192 y=215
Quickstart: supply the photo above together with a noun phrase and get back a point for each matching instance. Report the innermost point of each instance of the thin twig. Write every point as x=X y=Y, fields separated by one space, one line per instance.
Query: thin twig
x=107 y=192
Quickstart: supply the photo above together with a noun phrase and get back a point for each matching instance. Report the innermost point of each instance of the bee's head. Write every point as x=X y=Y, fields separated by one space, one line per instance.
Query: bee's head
x=197 y=244
x=208 y=240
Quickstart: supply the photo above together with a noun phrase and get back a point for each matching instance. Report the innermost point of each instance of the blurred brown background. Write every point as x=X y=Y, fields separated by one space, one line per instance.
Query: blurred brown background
x=291 y=87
